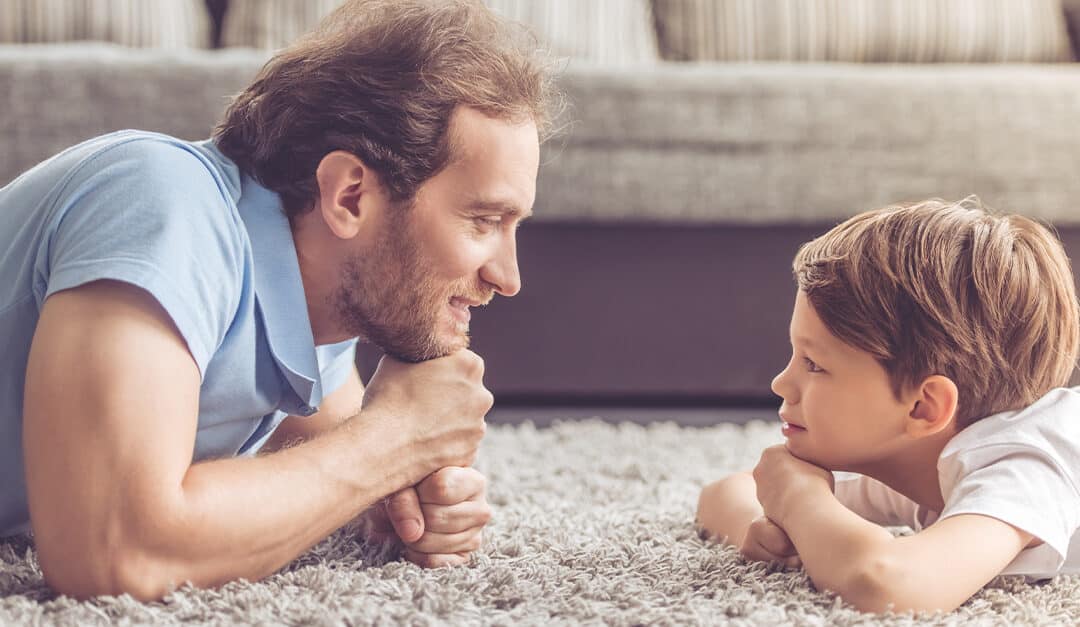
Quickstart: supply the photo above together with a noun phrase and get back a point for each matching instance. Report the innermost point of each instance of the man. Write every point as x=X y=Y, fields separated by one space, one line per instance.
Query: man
x=168 y=309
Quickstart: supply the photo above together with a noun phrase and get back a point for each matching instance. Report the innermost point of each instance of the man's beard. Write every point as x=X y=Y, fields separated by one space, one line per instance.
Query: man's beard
x=389 y=296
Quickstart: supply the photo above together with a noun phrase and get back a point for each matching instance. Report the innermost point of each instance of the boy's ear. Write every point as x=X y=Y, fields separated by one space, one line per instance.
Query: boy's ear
x=346 y=189
x=934 y=407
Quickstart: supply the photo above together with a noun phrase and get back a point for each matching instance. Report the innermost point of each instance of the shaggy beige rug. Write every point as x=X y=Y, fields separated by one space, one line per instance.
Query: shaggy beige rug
x=593 y=524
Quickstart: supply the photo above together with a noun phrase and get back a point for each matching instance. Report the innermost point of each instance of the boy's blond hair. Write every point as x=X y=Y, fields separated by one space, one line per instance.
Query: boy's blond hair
x=951 y=289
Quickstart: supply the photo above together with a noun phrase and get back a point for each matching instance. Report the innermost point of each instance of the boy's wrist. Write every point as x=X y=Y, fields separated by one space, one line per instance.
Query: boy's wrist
x=806 y=498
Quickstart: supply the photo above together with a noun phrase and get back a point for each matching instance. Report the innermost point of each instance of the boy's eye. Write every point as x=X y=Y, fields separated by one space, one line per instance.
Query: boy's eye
x=812 y=366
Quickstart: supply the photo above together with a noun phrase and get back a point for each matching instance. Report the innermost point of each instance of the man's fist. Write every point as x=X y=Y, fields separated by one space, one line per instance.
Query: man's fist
x=439 y=404
x=441 y=520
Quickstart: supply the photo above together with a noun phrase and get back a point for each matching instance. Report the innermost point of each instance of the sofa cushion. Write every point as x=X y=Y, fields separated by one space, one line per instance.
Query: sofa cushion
x=899 y=31
x=613 y=32
x=57 y=95
x=713 y=143
x=271 y=23
x=605 y=31
x=143 y=23
x=773 y=143
x=1072 y=16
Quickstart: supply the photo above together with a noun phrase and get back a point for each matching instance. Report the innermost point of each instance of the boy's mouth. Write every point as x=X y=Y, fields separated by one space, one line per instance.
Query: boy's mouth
x=789 y=429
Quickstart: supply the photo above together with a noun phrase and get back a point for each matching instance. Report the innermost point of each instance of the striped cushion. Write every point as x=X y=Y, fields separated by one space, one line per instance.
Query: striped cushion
x=897 y=31
x=604 y=31
x=1072 y=16
x=143 y=23
x=271 y=23
x=609 y=31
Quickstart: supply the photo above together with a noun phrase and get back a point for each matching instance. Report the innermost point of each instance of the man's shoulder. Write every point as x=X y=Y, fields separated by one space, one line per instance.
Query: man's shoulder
x=155 y=159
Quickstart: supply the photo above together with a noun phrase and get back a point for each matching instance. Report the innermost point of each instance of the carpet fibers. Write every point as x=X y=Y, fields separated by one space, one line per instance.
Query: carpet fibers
x=593 y=524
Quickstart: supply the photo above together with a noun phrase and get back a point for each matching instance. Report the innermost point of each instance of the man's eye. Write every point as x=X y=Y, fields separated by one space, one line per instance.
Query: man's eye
x=811 y=366
x=488 y=221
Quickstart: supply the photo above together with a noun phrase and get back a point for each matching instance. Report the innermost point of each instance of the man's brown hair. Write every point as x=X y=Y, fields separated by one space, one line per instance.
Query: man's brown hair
x=380 y=79
x=951 y=289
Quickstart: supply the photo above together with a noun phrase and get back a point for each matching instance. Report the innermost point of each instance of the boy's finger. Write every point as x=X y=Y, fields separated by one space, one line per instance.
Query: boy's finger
x=775 y=539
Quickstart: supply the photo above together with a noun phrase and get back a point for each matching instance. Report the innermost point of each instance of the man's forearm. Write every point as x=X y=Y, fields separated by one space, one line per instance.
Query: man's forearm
x=247 y=517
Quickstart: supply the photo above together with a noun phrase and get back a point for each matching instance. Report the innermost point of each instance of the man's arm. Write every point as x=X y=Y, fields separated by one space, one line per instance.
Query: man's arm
x=936 y=569
x=110 y=417
x=339 y=406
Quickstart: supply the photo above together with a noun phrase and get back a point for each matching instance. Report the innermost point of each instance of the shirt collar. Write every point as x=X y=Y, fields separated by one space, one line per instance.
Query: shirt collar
x=279 y=293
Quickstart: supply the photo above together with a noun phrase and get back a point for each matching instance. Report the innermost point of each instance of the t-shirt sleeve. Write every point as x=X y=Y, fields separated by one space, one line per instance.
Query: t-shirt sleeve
x=1022 y=486
x=336 y=363
x=152 y=214
x=875 y=501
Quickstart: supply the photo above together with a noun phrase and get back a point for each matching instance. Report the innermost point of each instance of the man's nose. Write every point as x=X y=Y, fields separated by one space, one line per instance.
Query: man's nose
x=501 y=272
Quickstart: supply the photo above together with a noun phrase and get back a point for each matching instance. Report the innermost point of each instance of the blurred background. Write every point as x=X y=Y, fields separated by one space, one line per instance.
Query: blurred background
x=705 y=140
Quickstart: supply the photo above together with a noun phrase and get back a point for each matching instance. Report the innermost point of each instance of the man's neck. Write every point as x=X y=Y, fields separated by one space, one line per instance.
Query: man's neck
x=314 y=274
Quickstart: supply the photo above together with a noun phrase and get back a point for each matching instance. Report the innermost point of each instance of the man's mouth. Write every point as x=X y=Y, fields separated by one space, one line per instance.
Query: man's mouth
x=459 y=307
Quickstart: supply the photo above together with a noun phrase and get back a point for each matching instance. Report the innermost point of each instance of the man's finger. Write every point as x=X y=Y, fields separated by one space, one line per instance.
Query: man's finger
x=403 y=509
x=460 y=542
x=455 y=518
x=451 y=485
x=436 y=560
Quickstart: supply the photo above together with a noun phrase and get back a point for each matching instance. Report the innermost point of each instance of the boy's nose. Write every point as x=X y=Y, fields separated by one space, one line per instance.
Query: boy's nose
x=781 y=386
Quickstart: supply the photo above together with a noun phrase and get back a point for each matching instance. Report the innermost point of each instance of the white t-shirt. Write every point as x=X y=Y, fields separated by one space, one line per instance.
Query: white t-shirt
x=1021 y=467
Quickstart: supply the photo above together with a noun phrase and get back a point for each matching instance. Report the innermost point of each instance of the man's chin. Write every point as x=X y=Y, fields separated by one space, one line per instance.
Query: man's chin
x=447 y=346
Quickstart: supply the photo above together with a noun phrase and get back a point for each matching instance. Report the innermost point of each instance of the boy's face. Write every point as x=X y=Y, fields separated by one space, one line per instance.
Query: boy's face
x=839 y=409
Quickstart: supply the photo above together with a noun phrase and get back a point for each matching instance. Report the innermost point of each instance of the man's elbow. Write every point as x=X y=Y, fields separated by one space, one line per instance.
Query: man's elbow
x=107 y=572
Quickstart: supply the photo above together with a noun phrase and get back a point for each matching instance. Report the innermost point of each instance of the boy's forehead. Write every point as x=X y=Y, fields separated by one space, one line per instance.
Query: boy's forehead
x=806 y=328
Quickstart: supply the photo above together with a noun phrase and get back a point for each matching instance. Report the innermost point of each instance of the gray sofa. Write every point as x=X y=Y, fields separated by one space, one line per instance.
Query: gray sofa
x=657 y=267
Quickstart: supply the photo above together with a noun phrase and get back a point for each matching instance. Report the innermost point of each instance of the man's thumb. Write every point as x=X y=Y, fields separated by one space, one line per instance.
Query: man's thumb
x=405 y=515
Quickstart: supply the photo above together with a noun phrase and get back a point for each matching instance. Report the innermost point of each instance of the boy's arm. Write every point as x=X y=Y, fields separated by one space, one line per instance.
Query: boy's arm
x=936 y=569
x=727 y=507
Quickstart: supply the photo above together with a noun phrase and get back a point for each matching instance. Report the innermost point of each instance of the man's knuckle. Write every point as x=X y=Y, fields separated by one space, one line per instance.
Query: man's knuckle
x=442 y=483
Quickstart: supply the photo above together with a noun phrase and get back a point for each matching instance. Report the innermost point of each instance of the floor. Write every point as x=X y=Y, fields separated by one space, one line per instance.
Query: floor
x=685 y=416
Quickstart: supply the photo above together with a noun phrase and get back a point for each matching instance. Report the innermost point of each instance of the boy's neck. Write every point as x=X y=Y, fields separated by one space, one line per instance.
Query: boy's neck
x=913 y=472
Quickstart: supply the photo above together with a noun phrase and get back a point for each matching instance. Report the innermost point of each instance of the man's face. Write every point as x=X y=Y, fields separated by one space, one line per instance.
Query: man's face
x=453 y=248
x=839 y=407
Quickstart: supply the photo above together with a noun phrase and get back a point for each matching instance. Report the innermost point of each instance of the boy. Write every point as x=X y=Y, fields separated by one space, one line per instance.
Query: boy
x=927 y=343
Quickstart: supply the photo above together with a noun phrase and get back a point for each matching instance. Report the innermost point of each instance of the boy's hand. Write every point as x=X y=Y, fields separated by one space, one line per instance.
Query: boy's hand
x=783 y=479
x=765 y=541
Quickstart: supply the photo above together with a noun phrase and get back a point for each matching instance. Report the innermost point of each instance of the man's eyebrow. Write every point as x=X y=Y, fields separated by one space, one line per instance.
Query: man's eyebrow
x=499 y=206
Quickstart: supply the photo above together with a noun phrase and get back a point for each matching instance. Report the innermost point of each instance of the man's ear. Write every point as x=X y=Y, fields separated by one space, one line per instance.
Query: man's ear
x=934 y=406
x=346 y=187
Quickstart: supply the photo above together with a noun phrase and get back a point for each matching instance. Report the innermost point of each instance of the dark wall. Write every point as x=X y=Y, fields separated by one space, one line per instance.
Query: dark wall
x=645 y=315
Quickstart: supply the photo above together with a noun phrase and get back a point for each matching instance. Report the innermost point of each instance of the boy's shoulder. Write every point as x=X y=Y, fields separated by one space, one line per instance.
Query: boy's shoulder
x=1048 y=428
x=1052 y=419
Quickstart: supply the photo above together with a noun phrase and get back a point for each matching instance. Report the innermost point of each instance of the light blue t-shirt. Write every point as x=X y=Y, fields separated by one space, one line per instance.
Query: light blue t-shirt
x=212 y=246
